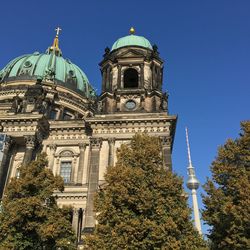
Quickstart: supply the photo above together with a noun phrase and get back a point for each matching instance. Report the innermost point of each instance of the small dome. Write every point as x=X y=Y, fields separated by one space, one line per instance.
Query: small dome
x=49 y=66
x=132 y=40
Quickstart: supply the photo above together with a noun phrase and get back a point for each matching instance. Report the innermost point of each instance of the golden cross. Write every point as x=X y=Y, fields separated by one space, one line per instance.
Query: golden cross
x=58 y=29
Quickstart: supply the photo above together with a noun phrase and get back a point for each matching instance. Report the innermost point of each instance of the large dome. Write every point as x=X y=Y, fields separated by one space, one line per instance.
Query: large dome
x=132 y=40
x=49 y=66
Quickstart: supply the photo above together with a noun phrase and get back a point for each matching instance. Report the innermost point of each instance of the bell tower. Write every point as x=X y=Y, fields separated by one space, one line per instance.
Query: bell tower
x=132 y=73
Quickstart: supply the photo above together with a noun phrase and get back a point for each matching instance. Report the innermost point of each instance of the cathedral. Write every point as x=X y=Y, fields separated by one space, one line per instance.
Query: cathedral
x=48 y=105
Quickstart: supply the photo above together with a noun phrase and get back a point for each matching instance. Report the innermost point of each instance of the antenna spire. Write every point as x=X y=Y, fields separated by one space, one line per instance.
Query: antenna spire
x=188 y=148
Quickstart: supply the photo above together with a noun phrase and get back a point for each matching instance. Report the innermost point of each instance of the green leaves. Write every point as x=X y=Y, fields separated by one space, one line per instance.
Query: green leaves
x=141 y=205
x=227 y=204
x=26 y=221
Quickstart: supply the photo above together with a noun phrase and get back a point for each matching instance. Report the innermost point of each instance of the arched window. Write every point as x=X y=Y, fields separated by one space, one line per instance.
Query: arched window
x=53 y=114
x=67 y=115
x=130 y=78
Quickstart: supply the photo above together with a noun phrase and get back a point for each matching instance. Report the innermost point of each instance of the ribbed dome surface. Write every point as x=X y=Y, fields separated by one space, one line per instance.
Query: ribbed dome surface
x=132 y=40
x=47 y=67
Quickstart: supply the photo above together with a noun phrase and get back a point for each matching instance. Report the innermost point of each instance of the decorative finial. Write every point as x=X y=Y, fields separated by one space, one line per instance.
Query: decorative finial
x=56 y=40
x=58 y=29
x=54 y=49
x=132 y=31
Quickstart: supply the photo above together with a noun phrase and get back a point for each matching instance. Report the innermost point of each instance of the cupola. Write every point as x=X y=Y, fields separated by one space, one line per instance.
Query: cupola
x=132 y=40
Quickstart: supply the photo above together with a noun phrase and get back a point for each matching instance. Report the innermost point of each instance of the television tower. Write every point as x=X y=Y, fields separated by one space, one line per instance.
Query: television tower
x=193 y=185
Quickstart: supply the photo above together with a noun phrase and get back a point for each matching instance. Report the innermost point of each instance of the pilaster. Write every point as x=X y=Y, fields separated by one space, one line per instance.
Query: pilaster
x=52 y=148
x=166 y=152
x=119 y=77
x=5 y=163
x=111 y=142
x=30 y=142
x=95 y=146
x=141 y=75
x=82 y=147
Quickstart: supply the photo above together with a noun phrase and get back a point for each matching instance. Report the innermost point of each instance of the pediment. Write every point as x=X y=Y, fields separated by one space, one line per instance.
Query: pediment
x=131 y=53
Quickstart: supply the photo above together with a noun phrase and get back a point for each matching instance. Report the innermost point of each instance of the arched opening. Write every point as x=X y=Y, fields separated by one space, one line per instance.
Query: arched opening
x=130 y=78
x=67 y=115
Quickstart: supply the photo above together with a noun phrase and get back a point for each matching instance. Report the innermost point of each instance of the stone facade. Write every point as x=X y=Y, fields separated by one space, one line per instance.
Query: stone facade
x=79 y=134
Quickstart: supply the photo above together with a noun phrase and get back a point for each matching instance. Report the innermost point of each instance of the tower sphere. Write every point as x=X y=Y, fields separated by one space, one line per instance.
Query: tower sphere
x=192 y=182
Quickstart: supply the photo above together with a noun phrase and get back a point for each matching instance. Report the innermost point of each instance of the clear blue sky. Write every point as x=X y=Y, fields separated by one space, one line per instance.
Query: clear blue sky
x=205 y=45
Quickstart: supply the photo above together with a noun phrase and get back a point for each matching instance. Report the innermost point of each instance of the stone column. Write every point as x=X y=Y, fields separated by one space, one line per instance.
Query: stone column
x=30 y=145
x=111 y=79
x=75 y=219
x=141 y=75
x=111 y=142
x=108 y=79
x=153 y=77
x=56 y=169
x=52 y=148
x=104 y=81
x=95 y=146
x=119 y=77
x=5 y=164
x=82 y=147
x=72 y=178
x=167 y=152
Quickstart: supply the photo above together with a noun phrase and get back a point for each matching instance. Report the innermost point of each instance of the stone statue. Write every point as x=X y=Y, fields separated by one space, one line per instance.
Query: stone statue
x=107 y=51
x=16 y=104
x=99 y=106
x=164 y=103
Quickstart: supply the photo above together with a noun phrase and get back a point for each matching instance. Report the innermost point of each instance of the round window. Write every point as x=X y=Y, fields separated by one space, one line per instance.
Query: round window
x=27 y=64
x=130 y=105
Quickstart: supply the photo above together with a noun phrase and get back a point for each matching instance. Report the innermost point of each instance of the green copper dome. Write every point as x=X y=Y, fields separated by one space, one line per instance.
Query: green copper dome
x=132 y=40
x=50 y=66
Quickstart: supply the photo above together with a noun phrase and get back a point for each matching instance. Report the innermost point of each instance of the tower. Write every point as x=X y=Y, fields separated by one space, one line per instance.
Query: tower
x=132 y=74
x=132 y=101
x=193 y=185
x=132 y=97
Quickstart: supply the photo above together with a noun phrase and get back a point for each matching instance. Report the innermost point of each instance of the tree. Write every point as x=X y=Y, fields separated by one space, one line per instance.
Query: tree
x=30 y=218
x=227 y=203
x=141 y=205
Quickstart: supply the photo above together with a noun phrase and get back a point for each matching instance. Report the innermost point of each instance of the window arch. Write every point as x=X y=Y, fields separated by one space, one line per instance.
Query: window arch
x=131 y=79
x=67 y=164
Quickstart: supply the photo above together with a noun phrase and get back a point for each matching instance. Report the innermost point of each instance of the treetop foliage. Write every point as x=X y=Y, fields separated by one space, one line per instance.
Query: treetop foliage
x=30 y=218
x=141 y=205
x=227 y=203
